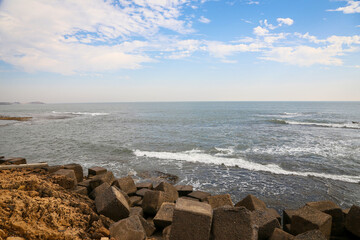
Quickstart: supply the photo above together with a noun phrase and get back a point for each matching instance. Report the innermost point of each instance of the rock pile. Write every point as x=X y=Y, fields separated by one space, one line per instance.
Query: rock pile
x=163 y=211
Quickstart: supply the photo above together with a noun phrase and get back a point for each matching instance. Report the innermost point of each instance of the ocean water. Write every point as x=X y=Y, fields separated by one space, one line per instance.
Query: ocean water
x=286 y=153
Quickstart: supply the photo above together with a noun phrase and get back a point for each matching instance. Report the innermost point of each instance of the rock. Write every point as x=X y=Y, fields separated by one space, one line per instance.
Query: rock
x=199 y=195
x=111 y=203
x=17 y=161
x=274 y=213
x=184 y=190
x=142 y=185
x=126 y=184
x=191 y=221
x=65 y=178
x=96 y=181
x=252 y=203
x=279 y=234
x=166 y=233
x=287 y=227
x=96 y=171
x=128 y=229
x=15 y=238
x=353 y=220
x=307 y=218
x=219 y=201
x=152 y=201
x=266 y=222
x=104 y=238
x=164 y=216
x=142 y=192
x=134 y=200
x=190 y=198
x=311 y=235
x=148 y=226
x=81 y=190
x=170 y=192
x=233 y=223
x=136 y=211
x=157 y=176
x=77 y=169
x=99 y=190
x=328 y=207
x=52 y=169
x=287 y=215
x=139 y=203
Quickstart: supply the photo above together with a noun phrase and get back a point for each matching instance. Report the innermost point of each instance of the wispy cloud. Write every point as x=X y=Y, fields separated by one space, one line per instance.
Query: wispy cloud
x=351 y=7
x=204 y=19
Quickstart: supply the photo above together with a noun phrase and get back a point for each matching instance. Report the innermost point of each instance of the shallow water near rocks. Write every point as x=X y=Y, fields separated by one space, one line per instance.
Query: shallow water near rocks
x=286 y=153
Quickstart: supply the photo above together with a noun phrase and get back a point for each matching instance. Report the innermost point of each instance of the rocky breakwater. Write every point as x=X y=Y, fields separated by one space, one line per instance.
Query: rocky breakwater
x=119 y=208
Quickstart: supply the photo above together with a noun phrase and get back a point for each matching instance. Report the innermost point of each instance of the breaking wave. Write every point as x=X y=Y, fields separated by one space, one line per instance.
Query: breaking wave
x=352 y=125
x=81 y=113
x=198 y=156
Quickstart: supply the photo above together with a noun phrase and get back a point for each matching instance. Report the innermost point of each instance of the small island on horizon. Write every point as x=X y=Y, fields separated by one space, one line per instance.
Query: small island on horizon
x=13 y=103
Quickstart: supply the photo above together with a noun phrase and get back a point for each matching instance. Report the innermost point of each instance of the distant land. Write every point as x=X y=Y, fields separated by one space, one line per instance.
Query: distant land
x=11 y=103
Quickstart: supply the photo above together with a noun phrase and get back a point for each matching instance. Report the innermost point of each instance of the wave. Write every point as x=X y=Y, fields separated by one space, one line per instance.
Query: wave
x=198 y=156
x=352 y=125
x=81 y=113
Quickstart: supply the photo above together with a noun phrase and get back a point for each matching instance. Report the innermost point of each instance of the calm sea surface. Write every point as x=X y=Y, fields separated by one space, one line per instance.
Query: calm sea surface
x=286 y=153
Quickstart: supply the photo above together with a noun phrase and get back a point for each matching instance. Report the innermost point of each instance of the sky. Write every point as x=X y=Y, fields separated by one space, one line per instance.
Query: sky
x=67 y=51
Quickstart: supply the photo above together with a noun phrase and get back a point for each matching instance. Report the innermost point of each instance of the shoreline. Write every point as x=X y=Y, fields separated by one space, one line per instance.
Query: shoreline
x=159 y=208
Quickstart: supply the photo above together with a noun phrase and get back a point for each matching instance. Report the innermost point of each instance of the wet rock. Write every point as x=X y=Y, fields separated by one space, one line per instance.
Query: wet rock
x=184 y=190
x=65 y=178
x=152 y=201
x=128 y=229
x=17 y=161
x=279 y=234
x=136 y=211
x=142 y=192
x=142 y=185
x=157 y=176
x=77 y=169
x=96 y=171
x=266 y=223
x=252 y=203
x=233 y=223
x=81 y=190
x=311 y=235
x=99 y=190
x=126 y=184
x=353 y=220
x=199 y=195
x=111 y=203
x=96 y=181
x=331 y=208
x=191 y=221
x=164 y=216
x=170 y=192
x=307 y=218
x=134 y=200
x=219 y=201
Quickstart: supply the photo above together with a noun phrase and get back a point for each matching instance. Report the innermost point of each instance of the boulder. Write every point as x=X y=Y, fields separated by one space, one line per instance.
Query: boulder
x=353 y=220
x=191 y=221
x=308 y=218
x=331 y=208
x=65 y=178
x=199 y=195
x=148 y=226
x=233 y=223
x=99 y=190
x=134 y=200
x=190 y=198
x=52 y=169
x=170 y=192
x=266 y=223
x=164 y=216
x=96 y=181
x=279 y=234
x=126 y=184
x=287 y=215
x=136 y=211
x=287 y=227
x=219 y=201
x=85 y=183
x=80 y=190
x=142 y=185
x=311 y=235
x=166 y=233
x=96 y=171
x=252 y=203
x=112 y=204
x=157 y=176
x=17 y=161
x=142 y=192
x=152 y=201
x=79 y=173
x=184 y=190
x=128 y=229
x=274 y=213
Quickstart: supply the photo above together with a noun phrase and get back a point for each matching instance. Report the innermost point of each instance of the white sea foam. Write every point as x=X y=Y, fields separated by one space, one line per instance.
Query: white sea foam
x=224 y=151
x=81 y=113
x=198 y=156
x=331 y=125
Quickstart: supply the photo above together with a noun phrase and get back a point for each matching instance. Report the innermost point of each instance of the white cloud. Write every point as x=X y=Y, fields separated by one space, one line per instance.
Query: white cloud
x=351 y=7
x=253 y=2
x=286 y=21
x=260 y=31
x=204 y=19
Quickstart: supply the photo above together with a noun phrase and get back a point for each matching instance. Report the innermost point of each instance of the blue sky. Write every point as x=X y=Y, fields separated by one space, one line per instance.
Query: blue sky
x=179 y=50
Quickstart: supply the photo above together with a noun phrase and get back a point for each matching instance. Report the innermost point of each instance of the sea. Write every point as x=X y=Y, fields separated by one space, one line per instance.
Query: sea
x=285 y=153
